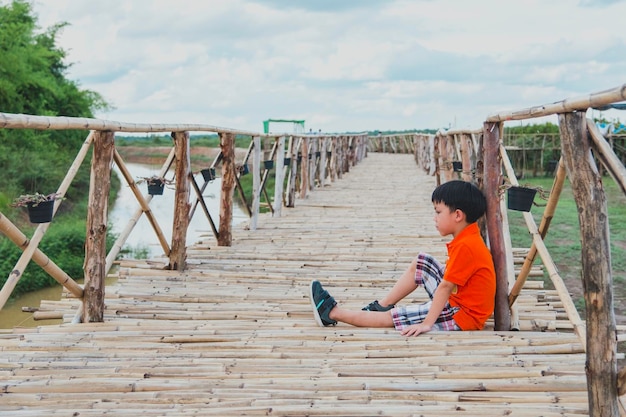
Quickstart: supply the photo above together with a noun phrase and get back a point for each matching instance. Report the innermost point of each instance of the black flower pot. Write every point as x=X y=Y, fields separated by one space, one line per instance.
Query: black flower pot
x=287 y=161
x=457 y=166
x=208 y=174
x=318 y=154
x=156 y=188
x=244 y=170
x=40 y=213
x=269 y=164
x=520 y=198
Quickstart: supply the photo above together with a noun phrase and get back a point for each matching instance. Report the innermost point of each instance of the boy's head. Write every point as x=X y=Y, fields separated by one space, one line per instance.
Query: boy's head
x=463 y=196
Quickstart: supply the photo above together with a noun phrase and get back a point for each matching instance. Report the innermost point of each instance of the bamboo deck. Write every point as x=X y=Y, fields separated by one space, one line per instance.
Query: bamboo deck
x=235 y=335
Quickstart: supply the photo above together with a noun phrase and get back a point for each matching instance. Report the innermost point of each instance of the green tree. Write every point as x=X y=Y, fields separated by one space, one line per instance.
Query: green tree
x=33 y=81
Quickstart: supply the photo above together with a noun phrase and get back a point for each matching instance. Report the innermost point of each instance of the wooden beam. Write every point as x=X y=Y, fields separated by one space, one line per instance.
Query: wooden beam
x=492 y=181
x=227 y=146
x=178 y=252
x=586 y=182
x=95 y=242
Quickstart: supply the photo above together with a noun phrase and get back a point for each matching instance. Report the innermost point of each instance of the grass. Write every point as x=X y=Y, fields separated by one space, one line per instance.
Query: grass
x=563 y=238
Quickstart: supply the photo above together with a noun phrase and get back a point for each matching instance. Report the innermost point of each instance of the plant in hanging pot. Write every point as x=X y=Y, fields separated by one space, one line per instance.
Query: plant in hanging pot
x=40 y=206
x=268 y=164
x=208 y=174
x=155 y=184
x=521 y=198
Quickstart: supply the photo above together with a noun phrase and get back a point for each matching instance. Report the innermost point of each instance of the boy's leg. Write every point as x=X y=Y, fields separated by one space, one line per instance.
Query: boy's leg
x=327 y=313
x=424 y=270
x=404 y=286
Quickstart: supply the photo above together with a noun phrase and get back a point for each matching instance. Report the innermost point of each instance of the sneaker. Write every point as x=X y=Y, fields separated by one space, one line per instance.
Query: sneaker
x=374 y=306
x=322 y=303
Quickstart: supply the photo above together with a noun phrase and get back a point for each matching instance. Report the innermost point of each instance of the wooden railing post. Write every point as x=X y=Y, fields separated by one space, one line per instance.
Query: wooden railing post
x=256 y=182
x=280 y=177
x=178 y=251
x=492 y=181
x=95 y=242
x=593 y=216
x=227 y=146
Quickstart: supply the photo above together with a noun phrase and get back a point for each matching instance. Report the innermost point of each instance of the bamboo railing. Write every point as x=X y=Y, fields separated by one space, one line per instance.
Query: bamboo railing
x=579 y=138
x=335 y=156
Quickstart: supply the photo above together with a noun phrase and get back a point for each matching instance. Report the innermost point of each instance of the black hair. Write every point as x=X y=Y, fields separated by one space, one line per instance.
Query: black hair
x=462 y=195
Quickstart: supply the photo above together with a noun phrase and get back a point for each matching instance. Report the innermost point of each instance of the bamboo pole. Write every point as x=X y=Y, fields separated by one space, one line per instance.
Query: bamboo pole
x=95 y=243
x=601 y=366
x=12 y=232
x=144 y=207
x=581 y=103
x=492 y=181
x=31 y=248
x=178 y=252
x=553 y=272
x=546 y=219
x=610 y=160
x=27 y=121
x=200 y=200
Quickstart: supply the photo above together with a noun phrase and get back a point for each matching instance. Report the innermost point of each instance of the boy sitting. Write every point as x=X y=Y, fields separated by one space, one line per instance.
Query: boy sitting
x=462 y=295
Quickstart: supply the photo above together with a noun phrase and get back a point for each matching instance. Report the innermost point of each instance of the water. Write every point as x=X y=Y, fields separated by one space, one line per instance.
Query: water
x=142 y=239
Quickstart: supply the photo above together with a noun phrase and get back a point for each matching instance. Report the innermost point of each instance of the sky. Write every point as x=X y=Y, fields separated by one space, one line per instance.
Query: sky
x=340 y=65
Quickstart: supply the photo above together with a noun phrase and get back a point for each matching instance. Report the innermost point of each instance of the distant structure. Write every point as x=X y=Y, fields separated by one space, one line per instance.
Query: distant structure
x=298 y=125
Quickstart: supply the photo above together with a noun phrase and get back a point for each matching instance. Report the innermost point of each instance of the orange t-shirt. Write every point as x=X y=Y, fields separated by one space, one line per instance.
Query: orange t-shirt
x=470 y=267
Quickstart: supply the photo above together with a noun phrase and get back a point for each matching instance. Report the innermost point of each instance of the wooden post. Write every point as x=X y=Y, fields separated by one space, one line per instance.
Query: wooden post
x=601 y=364
x=178 y=251
x=95 y=242
x=304 y=168
x=280 y=177
x=492 y=181
x=294 y=146
x=256 y=182
x=227 y=145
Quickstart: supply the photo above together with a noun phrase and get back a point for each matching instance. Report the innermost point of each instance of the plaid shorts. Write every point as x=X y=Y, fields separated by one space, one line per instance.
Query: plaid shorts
x=429 y=274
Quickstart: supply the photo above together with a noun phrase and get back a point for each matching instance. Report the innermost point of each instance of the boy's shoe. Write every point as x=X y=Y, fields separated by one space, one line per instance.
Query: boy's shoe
x=322 y=303
x=374 y=306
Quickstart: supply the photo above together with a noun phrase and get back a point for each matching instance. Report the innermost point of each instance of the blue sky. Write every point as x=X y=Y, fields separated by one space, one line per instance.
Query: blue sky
x=348 y=65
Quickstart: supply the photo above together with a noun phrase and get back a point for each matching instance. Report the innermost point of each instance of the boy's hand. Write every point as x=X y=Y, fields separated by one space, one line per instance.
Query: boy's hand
x=416 y=329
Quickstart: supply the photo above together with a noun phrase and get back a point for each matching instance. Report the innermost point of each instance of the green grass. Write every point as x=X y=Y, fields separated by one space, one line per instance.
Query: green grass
x=563 y=238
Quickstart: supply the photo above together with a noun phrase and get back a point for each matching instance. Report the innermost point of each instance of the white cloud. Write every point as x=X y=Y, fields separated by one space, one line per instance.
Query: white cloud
x=340 y=65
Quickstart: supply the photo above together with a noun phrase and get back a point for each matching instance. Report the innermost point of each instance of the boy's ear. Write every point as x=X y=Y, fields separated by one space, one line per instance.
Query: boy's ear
x=459 y=215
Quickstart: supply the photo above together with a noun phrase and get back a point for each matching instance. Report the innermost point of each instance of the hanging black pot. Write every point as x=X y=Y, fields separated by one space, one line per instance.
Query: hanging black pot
x=40 y=213
x=269 y=164
x=318 y=154
x=208 y=174
x=156 y=188
x=457 y=166
x=244 y=169
x=520 y=198
x=287 y=161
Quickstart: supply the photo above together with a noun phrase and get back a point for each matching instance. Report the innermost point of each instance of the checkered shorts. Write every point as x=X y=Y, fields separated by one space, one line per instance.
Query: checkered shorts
x=429 y=274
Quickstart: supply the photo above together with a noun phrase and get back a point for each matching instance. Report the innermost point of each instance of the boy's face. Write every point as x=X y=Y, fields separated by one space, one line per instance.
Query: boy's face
x=445 y=219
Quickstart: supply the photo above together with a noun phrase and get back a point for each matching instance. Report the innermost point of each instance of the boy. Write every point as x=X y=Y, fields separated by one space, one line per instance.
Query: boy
x=462 y=296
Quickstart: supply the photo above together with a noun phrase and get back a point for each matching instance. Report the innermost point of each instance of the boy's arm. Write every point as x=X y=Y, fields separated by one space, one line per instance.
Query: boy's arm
x=440 y=298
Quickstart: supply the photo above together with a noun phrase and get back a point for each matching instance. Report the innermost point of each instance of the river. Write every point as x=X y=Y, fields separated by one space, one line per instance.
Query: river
x=142 y=239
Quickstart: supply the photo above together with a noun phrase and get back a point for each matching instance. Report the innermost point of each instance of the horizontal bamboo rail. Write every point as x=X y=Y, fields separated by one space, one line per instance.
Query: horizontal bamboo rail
x=569 y=105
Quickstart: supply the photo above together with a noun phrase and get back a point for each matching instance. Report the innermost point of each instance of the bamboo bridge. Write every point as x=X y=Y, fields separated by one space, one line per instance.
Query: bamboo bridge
x=225 y=327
